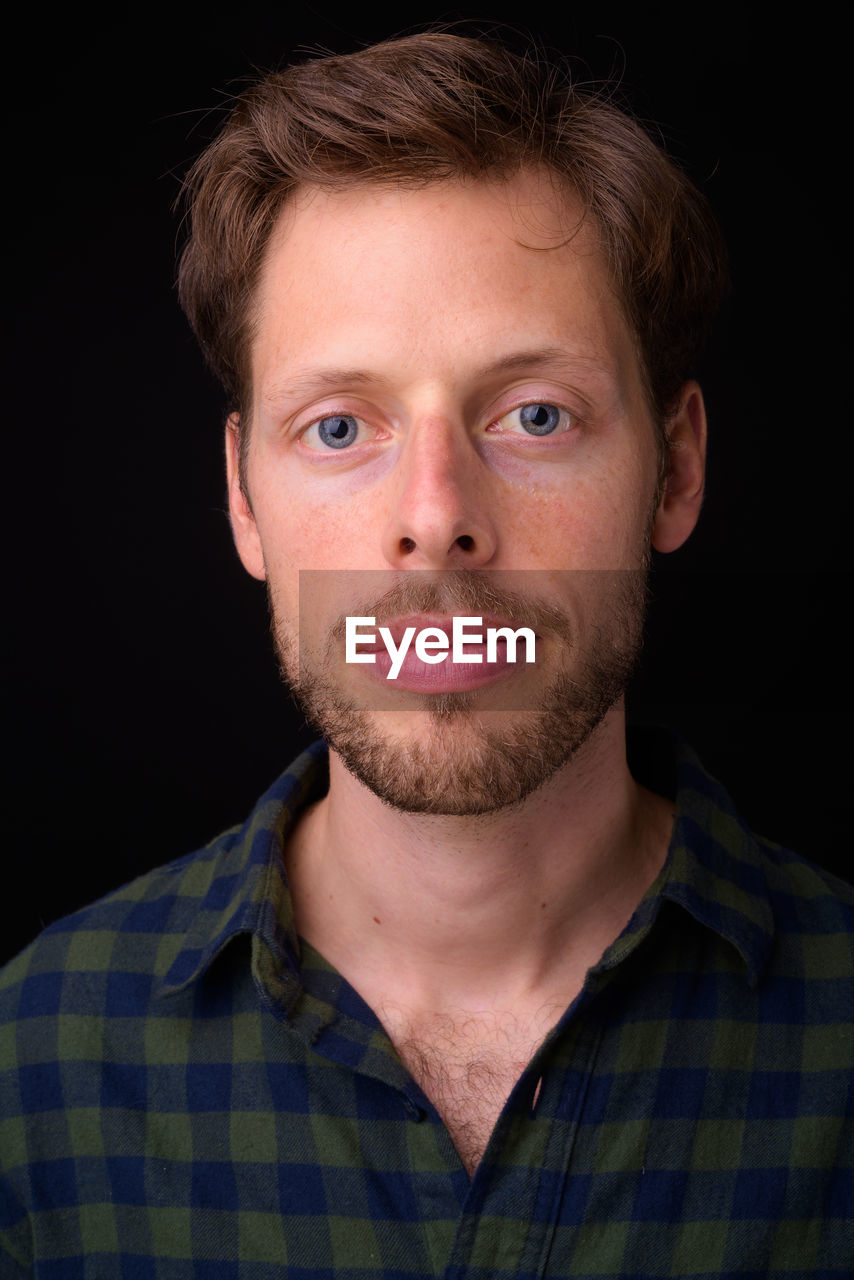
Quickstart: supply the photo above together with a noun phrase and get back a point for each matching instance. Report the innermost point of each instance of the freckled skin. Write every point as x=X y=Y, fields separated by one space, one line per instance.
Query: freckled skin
x=434 y=316
x=424 y=288
x=429 y=317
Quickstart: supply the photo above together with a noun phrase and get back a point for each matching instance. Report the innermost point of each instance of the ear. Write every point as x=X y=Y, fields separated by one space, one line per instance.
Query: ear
x=682 y=494
x=243 y=525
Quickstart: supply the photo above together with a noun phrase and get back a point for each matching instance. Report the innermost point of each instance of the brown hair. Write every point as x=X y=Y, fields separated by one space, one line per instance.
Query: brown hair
x=433 y=107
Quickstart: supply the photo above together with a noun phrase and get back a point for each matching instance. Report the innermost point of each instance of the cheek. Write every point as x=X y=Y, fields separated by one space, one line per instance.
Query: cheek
x=596 y=526
x=324 y=540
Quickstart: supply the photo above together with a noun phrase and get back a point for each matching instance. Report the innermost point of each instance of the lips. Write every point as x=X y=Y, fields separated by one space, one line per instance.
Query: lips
x=417 y=676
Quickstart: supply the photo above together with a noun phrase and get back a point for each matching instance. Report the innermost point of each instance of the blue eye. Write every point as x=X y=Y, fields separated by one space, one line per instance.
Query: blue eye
x=540 y=419
x=337 y=431
x=536 y=419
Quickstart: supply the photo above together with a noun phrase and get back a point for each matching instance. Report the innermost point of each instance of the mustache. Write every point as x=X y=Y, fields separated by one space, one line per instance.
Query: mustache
x=458 y=591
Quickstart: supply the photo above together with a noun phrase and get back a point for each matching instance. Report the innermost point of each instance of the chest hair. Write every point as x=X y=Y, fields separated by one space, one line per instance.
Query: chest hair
x=467 y=1066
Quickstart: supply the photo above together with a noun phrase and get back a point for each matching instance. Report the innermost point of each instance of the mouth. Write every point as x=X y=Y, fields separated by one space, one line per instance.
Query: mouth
x=468 y=651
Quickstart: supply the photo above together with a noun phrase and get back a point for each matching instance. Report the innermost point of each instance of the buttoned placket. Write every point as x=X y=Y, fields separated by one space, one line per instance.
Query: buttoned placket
x=503 y=1220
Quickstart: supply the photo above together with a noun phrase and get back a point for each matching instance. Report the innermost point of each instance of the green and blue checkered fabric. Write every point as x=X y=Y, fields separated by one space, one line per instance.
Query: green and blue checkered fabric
x=186 y=1090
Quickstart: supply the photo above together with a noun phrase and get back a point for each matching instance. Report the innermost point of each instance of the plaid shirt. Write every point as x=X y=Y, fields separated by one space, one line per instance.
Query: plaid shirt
x=188 y=1091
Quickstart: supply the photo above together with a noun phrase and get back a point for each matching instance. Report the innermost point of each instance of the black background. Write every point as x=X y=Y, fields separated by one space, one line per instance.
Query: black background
x=145 y=709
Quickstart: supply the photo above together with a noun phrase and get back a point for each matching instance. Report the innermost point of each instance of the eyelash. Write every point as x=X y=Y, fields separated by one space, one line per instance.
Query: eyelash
x=327 y=417
x=566 y=417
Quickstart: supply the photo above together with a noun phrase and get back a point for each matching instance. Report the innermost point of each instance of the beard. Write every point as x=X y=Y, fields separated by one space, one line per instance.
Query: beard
x=451 y=756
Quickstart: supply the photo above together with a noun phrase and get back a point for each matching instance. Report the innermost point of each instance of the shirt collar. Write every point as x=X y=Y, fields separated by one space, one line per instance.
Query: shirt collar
x=713 y=870
x=239 y=880
x=714 y=867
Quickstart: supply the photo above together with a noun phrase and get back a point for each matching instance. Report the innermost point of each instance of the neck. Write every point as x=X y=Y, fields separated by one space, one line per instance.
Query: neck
x=474 y=912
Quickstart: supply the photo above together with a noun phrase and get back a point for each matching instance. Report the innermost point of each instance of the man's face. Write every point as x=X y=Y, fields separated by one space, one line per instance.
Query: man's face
x=444 y=380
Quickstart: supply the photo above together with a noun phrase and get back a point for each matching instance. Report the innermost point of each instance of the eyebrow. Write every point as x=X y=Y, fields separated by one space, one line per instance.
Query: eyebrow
x=536 y=359
x=318 y=380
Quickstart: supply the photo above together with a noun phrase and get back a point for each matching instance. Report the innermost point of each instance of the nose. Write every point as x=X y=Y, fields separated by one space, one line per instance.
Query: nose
x=440 y=516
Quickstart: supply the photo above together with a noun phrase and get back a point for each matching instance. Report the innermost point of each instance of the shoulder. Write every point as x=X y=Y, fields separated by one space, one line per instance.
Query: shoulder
x=110 y=957
x=791 y=920
x=84 y=1009
x=108 y=960
x=811 y=893
x=813 y=913
x=135 y=930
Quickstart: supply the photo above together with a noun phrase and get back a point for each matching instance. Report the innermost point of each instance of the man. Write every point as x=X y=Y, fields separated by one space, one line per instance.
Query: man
x=466 y=995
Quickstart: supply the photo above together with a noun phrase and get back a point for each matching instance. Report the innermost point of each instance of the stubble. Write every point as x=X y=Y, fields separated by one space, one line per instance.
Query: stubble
x=453 y=757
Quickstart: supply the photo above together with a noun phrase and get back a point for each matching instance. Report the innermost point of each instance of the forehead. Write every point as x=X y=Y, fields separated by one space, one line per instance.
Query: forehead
x=431 y=279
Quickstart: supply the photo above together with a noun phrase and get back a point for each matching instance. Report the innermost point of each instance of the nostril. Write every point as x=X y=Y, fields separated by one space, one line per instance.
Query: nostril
x=407 y=546
x=465 y=542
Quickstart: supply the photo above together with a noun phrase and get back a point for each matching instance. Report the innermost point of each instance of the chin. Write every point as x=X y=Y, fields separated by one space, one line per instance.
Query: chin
x=453 y=758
